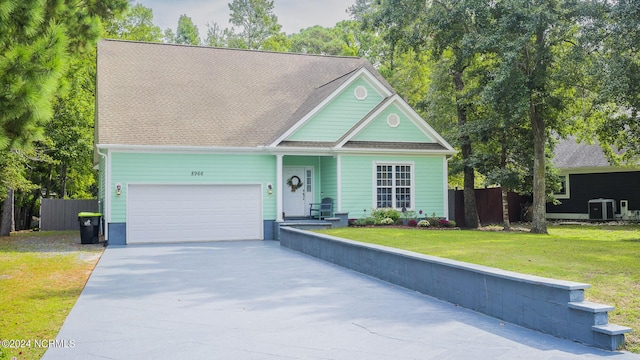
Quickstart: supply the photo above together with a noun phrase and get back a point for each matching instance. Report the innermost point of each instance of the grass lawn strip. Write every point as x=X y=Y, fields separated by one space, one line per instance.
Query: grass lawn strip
x=41 y=277
x=607 y=257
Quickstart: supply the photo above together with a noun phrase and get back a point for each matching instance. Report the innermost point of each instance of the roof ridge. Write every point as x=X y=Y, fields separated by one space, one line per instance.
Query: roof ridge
x=341 y=76
x=233 y=49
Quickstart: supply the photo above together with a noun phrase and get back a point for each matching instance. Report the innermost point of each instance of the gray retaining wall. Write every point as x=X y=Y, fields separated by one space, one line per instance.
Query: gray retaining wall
x=551 y=306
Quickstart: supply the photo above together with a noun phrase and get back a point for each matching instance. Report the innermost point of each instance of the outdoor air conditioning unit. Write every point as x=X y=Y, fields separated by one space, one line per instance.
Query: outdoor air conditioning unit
x=624 y=209
x=602 y=209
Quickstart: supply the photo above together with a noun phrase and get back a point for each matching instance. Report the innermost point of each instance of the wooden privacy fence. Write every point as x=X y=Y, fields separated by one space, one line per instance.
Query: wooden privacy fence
x=62 y=214
x=489 y=205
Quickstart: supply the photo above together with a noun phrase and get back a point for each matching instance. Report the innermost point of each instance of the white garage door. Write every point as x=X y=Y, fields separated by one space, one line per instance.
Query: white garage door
x=174 y=213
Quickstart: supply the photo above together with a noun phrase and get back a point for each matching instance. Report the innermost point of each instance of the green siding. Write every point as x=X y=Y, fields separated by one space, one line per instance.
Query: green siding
x=158 y=168
x=358 y=192
x=340 y=115
x=379 y=130
x=329 y=178
x=301 y=161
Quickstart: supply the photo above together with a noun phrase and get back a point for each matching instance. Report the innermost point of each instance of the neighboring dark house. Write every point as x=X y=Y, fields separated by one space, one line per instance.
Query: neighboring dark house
x=592 y=188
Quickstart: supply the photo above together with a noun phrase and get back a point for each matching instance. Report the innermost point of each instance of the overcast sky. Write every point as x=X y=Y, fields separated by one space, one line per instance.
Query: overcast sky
x=293 y=15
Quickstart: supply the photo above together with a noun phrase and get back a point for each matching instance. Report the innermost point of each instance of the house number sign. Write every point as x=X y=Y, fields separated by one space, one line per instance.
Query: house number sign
x=197 y=173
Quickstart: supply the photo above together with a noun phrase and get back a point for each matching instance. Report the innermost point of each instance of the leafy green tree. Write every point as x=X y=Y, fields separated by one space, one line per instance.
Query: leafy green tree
x=615 y=39
x=37 y=38
x=33 y=58
x=15 y=174
x=187 y=32
x=346 y=38
x=529 y=39
x=215 y=36
x=256 y=20
x=443 y=27
x=411 y=77
x=279 y=42
x=70 y=134
x=317 y=40
x=386 y=18
x=503 y=147
x=134 y=24
x=169 y=36
x=357 y=41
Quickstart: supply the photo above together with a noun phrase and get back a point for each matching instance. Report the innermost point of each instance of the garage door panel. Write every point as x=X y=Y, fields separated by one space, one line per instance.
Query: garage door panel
x=170 y=213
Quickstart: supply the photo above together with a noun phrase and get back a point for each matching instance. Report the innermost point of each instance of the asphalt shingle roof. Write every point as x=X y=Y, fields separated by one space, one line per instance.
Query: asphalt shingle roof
x=570 y=154
x=175 y=95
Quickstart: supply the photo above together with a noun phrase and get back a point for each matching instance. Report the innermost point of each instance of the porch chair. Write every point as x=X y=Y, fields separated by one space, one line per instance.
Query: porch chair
x=322 y=210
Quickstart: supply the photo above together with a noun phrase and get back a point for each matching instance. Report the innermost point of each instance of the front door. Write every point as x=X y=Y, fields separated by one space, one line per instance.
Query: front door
x=297 y=192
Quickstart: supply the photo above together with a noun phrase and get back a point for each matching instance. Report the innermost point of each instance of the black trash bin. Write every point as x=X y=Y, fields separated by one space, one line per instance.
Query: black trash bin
x=89 y=227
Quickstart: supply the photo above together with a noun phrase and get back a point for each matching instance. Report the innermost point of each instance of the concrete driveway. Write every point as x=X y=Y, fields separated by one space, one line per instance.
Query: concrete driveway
x=256 y=300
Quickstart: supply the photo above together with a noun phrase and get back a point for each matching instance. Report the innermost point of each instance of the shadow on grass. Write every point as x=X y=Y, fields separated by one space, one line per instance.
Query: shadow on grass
x=58 y=294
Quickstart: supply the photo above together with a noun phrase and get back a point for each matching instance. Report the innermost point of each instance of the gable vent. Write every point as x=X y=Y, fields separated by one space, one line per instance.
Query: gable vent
x=393 y=120
x=360 y=92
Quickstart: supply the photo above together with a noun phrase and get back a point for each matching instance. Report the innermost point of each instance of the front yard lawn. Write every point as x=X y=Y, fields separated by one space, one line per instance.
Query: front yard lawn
x=41 y=276
x=607 y=257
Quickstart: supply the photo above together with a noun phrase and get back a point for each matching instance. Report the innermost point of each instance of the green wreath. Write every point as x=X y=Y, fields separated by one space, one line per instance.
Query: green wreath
x=294 y=185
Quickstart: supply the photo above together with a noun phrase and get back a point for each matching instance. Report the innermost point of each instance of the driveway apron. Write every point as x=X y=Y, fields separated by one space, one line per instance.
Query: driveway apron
x=256 y=300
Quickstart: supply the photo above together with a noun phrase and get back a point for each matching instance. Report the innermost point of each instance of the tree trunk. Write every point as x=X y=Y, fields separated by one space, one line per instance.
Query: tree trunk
x=32 y=207
x=538 y=126
x=506 y=224
x=471 y=218
x=63 y=181
x=7 y=225
x=539 y=222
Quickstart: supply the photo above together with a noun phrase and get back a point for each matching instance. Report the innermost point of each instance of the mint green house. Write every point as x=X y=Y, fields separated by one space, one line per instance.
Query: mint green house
x=199 y=144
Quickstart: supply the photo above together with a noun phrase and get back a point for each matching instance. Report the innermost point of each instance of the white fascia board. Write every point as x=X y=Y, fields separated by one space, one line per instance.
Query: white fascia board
x=354 y=151
x=368 y=151
x=425 y=125
x=596 y=170
x=409 y=113
x=302 y=152
x=353 y=132
x=364 y=151
x=180 y=149
x=372 y=80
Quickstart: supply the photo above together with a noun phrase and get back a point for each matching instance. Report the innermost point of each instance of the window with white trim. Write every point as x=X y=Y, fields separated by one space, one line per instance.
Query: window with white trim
x=309 y=178
x=393 y=186
x=563 y=193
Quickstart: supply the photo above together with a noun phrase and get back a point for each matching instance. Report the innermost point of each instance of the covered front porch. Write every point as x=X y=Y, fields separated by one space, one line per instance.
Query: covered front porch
x=304 y=181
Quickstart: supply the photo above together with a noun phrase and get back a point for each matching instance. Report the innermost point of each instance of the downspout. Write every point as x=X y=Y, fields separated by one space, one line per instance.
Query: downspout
x=106 y=217
x=446 y=185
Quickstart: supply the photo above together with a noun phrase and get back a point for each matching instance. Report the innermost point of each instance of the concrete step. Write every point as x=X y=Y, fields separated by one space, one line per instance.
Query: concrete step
x=604 y=334
x=610 y=336
x=612 y=329
x=592 y=307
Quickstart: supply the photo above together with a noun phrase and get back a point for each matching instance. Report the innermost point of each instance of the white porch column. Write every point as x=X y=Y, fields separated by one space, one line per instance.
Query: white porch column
x=279 y=186
x=339 y=182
